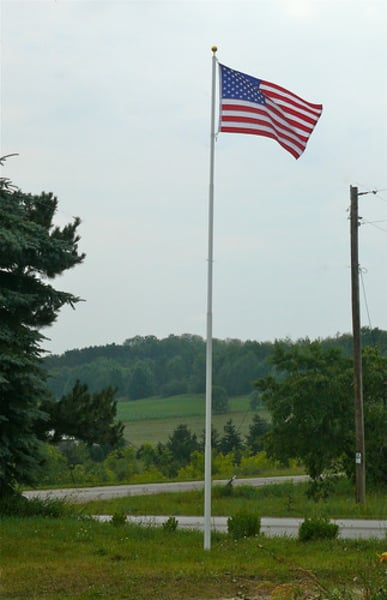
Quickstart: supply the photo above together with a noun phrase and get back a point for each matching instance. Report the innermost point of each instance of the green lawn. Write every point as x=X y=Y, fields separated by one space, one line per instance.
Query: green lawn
x=154 y=419
x=72 y=559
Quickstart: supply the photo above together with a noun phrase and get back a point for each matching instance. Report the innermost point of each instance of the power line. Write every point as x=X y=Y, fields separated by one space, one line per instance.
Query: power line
x=361 y=271
x=373 y=223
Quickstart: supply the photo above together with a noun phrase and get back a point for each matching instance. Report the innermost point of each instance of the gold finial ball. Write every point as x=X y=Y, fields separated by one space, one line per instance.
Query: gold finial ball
x=214 y=48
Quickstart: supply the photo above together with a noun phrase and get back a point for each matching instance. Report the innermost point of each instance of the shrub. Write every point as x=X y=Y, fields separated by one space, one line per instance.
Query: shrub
x=317 y=529
x=222 y=491
x=118 y=519
x=18 y=506
x=170 y=524
x=243 y=524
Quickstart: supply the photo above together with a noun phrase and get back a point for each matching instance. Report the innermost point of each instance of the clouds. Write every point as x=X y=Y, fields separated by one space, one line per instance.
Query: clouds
x=108 y=105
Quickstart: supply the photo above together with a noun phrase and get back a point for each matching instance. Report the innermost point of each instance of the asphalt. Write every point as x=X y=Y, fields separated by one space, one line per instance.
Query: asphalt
x=106 y=492
x=270 y=526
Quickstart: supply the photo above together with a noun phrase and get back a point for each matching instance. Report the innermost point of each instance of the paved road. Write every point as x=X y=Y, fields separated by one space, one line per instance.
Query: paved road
x=348 y=528
x=270 y=526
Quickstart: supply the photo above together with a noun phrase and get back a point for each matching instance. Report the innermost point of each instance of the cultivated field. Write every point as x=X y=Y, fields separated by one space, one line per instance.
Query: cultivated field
x=154 y=419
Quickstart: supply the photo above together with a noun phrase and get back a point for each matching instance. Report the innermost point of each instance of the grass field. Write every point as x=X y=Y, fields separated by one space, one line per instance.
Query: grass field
x=69 y=559
x=73 y=557
x=154 y=419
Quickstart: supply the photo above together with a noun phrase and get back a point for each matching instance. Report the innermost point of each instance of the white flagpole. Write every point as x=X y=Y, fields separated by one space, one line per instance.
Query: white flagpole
x=207 y=454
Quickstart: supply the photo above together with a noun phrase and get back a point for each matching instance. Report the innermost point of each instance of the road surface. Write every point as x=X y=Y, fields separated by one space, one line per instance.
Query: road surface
x=271 y=526
x=86 y=494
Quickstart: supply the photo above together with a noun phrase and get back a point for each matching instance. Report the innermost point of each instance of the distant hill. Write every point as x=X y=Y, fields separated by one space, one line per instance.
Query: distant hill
x=147 y=366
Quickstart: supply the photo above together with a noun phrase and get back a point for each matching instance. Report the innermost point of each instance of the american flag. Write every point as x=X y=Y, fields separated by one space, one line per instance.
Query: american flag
x=258 y=107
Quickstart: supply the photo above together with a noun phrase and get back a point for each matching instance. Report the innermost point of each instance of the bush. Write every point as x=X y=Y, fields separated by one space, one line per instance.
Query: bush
x=170 y=524
x=243 y=524
x=317 y=529
x=118 y=519
x=222 y=491
x=17 y=505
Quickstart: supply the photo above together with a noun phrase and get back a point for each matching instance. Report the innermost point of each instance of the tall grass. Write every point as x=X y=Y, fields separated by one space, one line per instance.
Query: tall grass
x=19 y=506
x=277 y=500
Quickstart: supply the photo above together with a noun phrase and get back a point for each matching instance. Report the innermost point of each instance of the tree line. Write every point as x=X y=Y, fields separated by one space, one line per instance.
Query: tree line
x=148 y=366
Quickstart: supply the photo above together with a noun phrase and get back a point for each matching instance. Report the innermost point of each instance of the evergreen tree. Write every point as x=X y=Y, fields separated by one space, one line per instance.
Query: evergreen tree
x=255 y=437
x=232 y=440
x=86 y=417
x=181 y=443
x=32 y=252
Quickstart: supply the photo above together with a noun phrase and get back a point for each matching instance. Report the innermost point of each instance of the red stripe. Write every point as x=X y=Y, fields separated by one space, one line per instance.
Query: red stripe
x=287 y=126
x=273 y=111
x=278 y=135
x=227 y=106
x=317 y=107
x=307 y=125
x=264 y=134
x=308 y=119
x=265 y=109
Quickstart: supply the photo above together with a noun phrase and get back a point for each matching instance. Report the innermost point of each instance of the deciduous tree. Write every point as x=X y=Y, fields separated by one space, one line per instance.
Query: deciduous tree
x=312 y=408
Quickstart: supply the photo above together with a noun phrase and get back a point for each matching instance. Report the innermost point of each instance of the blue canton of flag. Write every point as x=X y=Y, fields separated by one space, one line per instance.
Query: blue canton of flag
x=244 y=87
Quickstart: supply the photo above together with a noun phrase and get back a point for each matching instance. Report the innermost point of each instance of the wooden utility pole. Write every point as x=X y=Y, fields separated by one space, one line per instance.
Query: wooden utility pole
x=357 y=360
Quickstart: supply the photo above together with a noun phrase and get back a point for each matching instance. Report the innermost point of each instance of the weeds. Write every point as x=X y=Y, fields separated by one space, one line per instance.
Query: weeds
x=118 y=519
x=243 y=524
x=368 y=583
x=170 y=524
x=17 y=505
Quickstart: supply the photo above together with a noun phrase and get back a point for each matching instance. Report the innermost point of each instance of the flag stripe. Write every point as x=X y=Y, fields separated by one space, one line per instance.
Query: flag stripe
x=237 y=114
x=290 y=147
x=272 y=109
x=263 y=128
x=271 y=89
x=265 y=121
x=253 y=106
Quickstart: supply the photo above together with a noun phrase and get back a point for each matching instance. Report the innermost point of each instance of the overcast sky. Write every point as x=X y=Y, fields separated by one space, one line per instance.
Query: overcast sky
x=108 y=105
